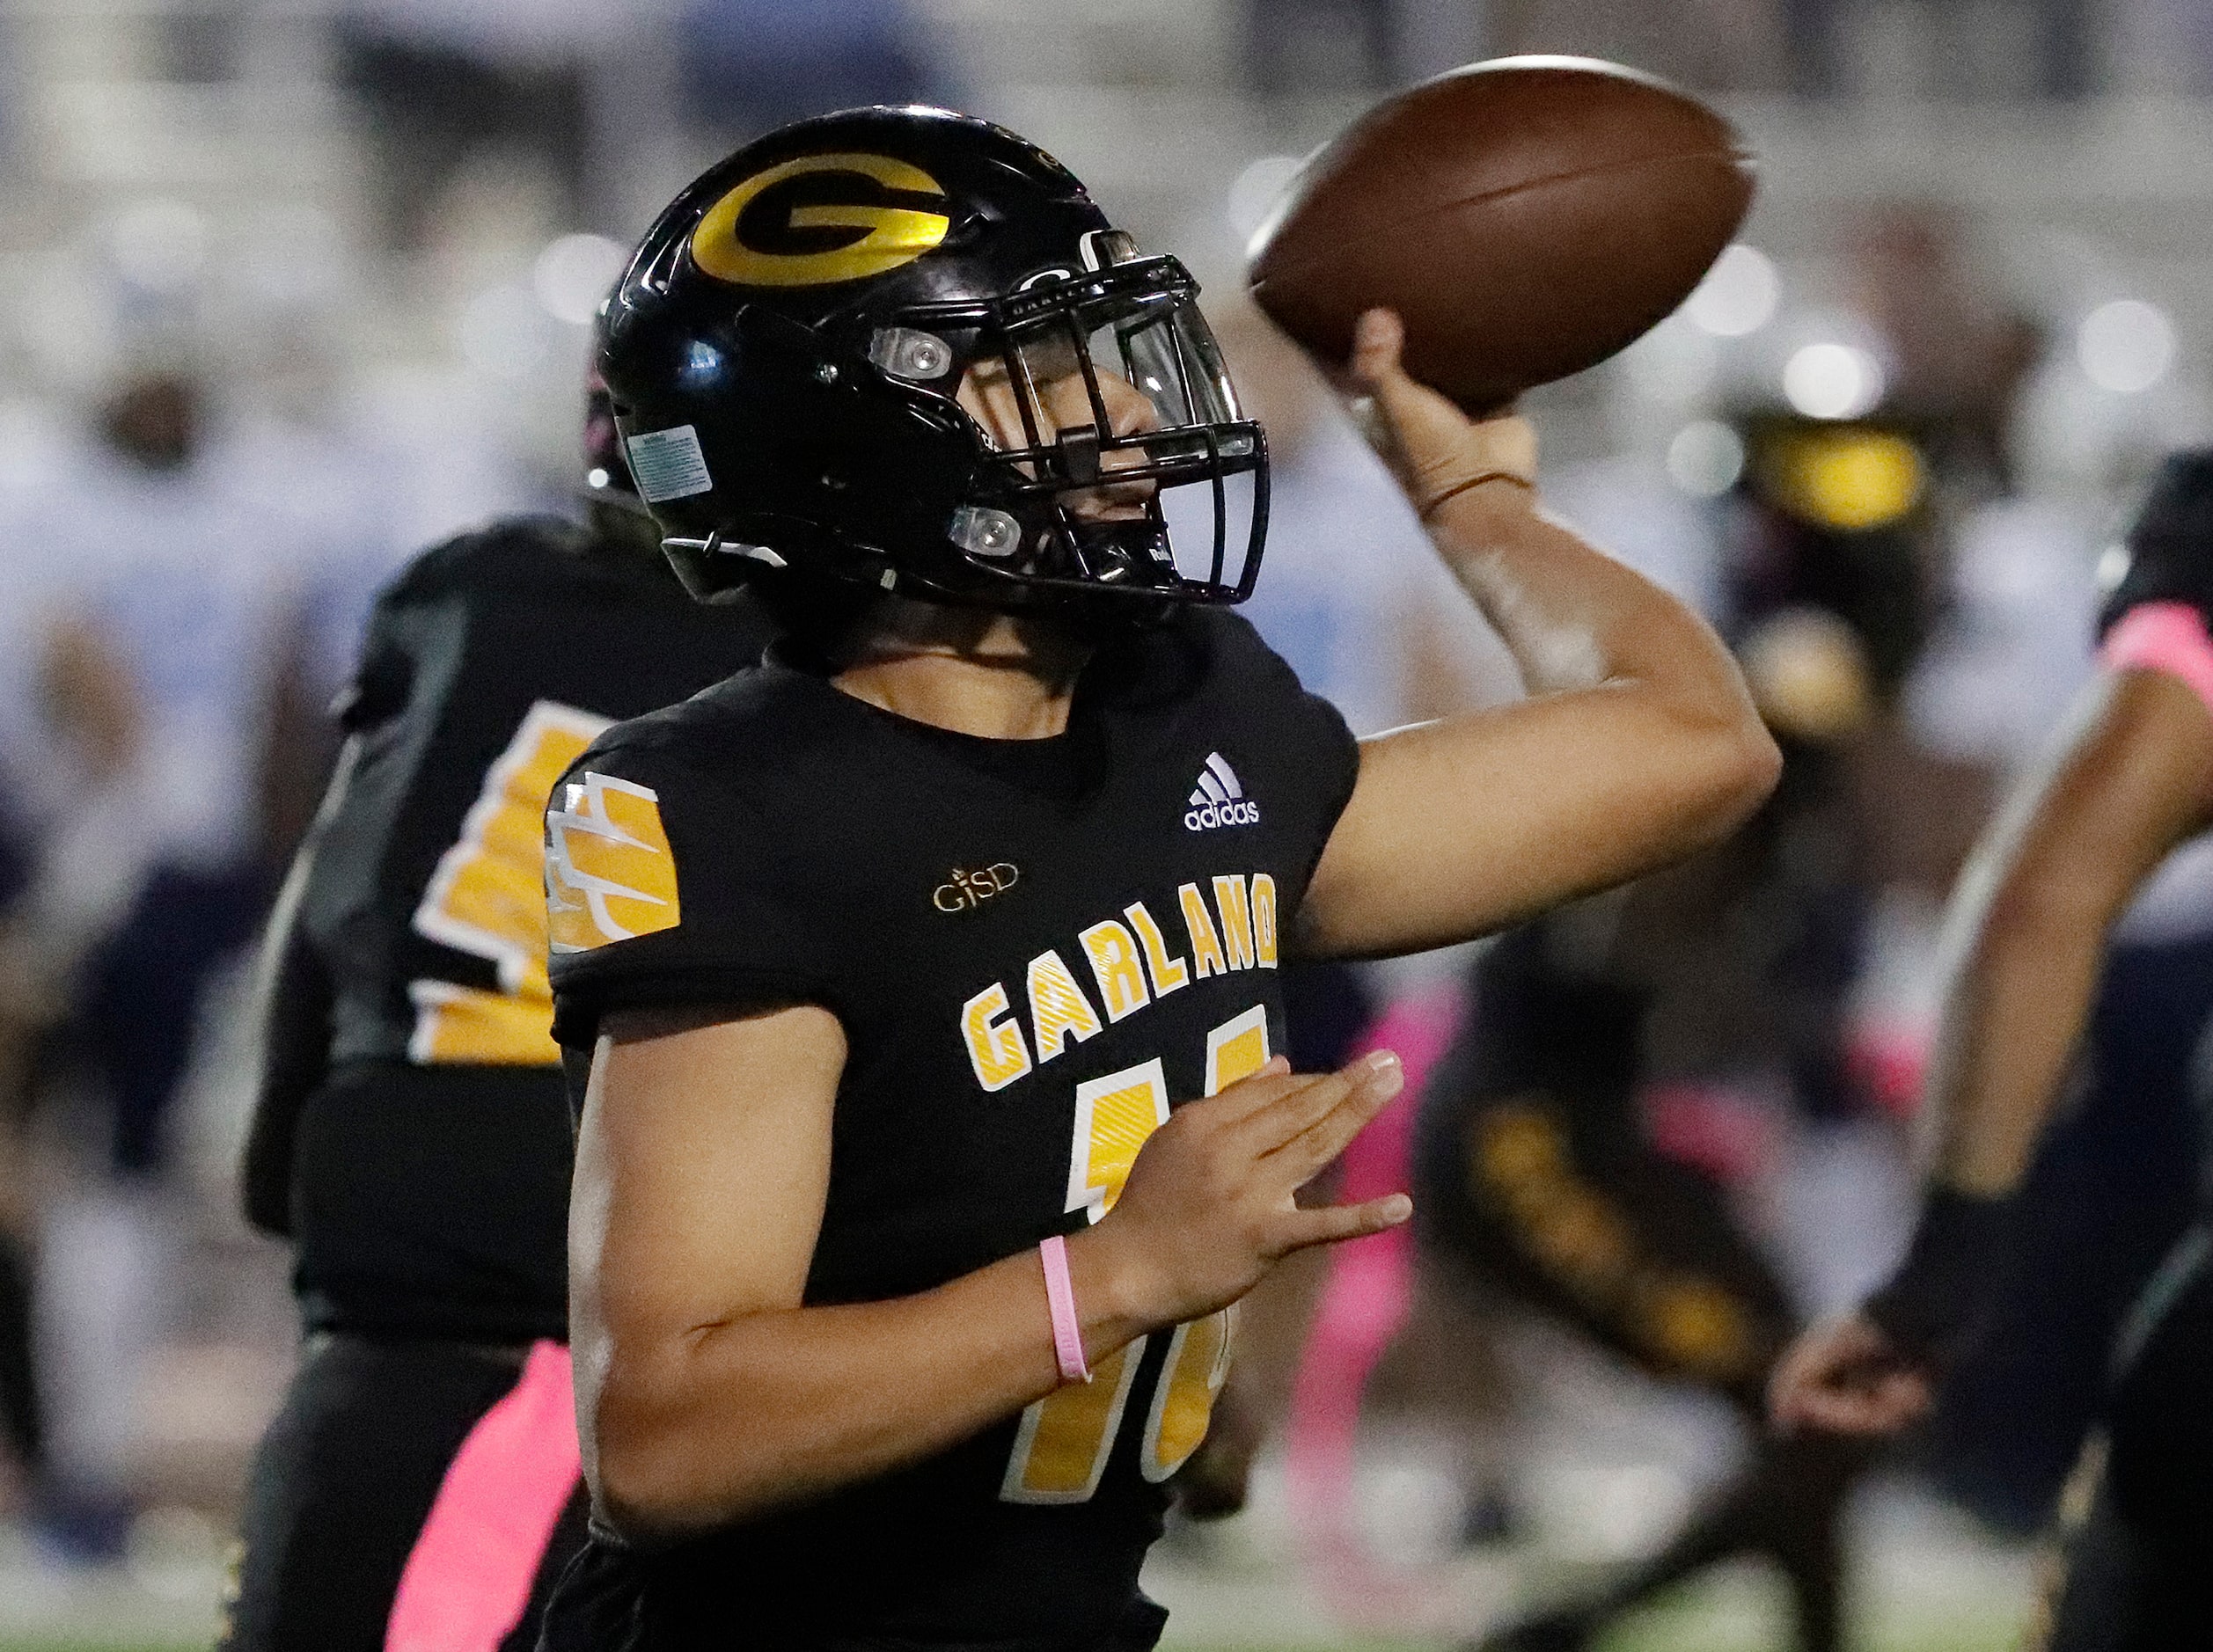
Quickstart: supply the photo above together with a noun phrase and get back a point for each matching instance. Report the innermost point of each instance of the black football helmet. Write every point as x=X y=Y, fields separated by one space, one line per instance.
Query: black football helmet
x=787 y=349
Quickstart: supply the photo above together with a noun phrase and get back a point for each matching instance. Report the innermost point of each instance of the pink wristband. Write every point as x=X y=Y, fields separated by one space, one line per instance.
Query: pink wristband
x=2168 y=637
x=1060 y=1296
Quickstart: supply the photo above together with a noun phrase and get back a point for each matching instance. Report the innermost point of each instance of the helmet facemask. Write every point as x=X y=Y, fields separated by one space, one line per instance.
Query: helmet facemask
x=800 y=353
x=1111 y=457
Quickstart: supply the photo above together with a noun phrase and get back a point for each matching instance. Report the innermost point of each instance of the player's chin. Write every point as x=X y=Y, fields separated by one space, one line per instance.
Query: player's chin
x=1128 y=501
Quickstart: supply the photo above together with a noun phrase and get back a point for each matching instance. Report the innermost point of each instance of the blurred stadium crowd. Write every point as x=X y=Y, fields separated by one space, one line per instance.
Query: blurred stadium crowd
x=294 y=286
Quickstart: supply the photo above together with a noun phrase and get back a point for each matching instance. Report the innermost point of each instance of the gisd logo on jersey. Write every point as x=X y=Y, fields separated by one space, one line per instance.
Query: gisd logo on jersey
x=608 y=873
x=822 y=218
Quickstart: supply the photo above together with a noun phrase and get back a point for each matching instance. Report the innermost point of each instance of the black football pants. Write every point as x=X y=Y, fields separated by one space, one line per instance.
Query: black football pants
x=421 y=1495
x=1566 y=1208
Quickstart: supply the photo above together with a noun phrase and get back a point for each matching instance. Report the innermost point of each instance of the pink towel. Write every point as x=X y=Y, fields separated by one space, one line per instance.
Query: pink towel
x=467 y=1582
x=1370 y=1284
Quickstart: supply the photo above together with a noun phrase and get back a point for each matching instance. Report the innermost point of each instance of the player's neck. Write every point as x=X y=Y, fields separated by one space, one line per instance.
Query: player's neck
x=970 y=670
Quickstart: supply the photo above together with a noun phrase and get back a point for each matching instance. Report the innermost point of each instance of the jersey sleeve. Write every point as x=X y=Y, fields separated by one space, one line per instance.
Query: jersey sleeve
x=1306 y=738
x=665 y=888
x=2159 y=617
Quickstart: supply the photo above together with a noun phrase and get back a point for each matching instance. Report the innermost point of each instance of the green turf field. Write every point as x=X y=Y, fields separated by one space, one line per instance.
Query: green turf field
x=1922 y=1580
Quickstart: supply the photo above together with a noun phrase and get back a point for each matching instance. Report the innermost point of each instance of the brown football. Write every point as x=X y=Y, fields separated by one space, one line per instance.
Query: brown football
x=1527 y=217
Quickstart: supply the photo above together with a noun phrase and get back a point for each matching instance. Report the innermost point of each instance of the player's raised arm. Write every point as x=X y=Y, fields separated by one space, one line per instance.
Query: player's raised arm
x=1638 y=745
x=294 y=992
x=2133 y=779
x=707 y=1392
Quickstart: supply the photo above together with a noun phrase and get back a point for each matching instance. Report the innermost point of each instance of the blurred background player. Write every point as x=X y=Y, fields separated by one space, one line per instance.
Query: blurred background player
x=410 y=1135
x=171 y=632
x=1757 y=1051
x=2132 y=781
x=1627 y=1065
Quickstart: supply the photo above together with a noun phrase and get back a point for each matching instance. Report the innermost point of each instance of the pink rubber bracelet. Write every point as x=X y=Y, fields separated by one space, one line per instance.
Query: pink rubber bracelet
x=1060 y=1296
x=2168 y=637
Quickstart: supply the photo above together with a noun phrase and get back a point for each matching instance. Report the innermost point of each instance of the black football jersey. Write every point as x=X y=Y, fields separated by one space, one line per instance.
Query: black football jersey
x=1037 y=949
x=429 y=1173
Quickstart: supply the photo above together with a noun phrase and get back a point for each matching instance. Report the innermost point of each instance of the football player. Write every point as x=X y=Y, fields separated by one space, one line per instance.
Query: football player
x=1538 y=1179
x=410 y=1136
x=1544 y=1169
x=2132 y=779
x=920 y=985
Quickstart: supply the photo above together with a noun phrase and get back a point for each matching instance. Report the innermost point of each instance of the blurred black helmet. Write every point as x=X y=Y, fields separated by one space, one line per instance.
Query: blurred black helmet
x=786 y=350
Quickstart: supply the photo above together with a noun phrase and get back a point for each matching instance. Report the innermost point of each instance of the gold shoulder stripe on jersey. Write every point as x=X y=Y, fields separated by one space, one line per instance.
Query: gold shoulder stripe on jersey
x=486 y=898
x=752 y=238
x=610 y=875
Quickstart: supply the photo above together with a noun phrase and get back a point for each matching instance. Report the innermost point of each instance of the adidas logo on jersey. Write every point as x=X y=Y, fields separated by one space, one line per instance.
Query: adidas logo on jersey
x=1219 y=799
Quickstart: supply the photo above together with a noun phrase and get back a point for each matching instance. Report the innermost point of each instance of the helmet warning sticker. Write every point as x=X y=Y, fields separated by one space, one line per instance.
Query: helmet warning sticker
x=608 y=873
x=822 y=218
x=669 y=464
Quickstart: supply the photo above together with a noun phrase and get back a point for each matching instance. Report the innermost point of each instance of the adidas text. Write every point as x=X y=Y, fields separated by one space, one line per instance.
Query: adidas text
x=1198 y=820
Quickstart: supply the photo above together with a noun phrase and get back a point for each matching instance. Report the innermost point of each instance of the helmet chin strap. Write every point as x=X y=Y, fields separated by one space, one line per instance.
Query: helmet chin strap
x=715 y=544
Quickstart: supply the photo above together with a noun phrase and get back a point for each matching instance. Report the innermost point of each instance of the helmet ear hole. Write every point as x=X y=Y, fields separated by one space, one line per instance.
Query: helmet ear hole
x=912 y=354
x=983 y=532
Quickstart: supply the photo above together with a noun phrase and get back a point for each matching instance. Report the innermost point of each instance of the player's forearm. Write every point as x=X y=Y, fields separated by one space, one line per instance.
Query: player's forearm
x=2029 y=923
x=728 y=1420
x=1577 y=619
x=1573 y=616
x=2029 y=920
x=1638 y=747
x=2015 y=1013
x=2012 y=1020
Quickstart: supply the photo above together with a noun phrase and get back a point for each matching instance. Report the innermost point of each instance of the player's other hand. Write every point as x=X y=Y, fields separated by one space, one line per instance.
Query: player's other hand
x=1431 y=446
x=1844 y=1375
x=1210 y=1205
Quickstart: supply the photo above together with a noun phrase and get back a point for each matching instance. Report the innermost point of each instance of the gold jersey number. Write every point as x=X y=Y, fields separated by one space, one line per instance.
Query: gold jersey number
x=1062 y=1446
x=487 y=899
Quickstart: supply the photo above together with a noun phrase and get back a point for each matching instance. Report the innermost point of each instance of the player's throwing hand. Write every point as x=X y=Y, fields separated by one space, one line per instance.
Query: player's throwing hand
x=1436 y=451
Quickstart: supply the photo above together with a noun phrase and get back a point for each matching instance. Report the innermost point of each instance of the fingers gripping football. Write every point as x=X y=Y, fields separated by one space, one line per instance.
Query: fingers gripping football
x=1211 y=1202
x=1434 y=449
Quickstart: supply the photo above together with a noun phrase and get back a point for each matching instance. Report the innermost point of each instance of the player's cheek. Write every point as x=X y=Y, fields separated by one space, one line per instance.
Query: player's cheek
x=1066 y=402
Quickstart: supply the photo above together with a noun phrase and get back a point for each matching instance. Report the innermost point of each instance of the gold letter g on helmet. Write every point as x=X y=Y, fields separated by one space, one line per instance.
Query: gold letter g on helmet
x=891 y=235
